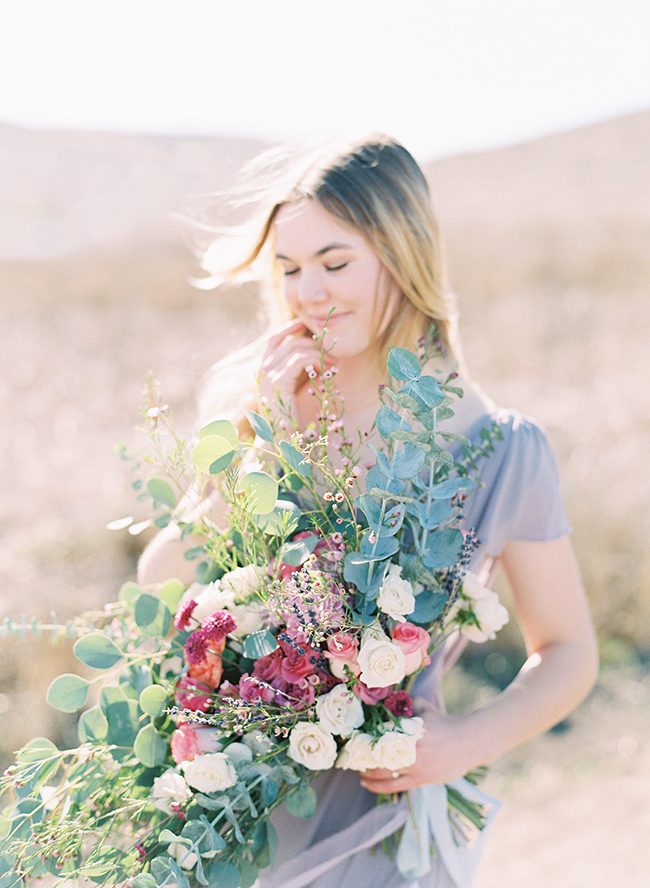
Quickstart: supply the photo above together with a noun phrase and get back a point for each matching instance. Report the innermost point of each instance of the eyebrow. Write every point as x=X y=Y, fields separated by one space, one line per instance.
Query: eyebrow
x=322 y=251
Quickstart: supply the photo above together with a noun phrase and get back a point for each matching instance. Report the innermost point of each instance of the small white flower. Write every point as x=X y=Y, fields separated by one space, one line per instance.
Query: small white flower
x=396 y=596
x=211 y=772
x=340 y=711
x=170 y=787
x=382 y=662
x=311 y=746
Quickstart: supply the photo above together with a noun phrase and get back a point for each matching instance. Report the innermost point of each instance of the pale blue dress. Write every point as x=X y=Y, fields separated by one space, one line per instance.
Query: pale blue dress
x=518 y=499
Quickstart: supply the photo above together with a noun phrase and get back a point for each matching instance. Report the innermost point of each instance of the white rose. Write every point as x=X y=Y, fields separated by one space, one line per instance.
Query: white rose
x=211 y=772
x=396 y=596
x=395 y=750
x=472 y=587
x=170 y=787
x=382 y=663
x=340 y=711
x=249 y=617
x=311 y=746
x=358 y=753
x=208 y=599
x=413 y=726
x=242 y=581
x=491 y=616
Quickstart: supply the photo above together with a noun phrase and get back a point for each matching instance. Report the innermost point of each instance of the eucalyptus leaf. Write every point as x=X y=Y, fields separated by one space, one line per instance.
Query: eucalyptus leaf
x=92 y=725
x=97 y=650
x=259 y=644
x=263 y=490
x=302 y=802
x=428 y=607
x=68 y=692
x=223 y=874
x=450 y=487
x=260 y=426
x=129 y=592
x=443 y=548
x=171 y=593
x=298 y=462
x=403 y=364
x=428 y=390
x=150 y=747
x=296 y=552
x=161 y=491
x=153 y=699
x=408 y=461
x=212 y=454
x=152 y=616
x=282 y=519
x=222 y=428
x=388 y=421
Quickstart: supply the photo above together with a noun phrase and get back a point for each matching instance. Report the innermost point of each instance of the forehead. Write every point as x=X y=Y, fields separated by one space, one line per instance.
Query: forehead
x=305 y=226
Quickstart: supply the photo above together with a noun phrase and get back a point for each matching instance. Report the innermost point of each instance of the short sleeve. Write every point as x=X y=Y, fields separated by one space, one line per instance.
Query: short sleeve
x=518 y=496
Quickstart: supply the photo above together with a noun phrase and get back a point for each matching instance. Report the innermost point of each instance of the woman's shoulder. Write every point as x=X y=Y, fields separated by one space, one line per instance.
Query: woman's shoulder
x=518 y=494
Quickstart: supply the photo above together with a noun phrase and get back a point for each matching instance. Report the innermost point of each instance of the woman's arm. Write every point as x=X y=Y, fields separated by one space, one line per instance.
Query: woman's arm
x=164 y=558
x=560 y=670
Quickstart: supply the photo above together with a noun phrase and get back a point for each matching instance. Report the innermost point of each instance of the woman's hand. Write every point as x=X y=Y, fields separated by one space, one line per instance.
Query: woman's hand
x=443 y=754
x=282 y=371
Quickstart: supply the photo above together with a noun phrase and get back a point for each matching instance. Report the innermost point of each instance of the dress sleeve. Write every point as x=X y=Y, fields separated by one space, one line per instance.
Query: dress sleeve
x=519 y=495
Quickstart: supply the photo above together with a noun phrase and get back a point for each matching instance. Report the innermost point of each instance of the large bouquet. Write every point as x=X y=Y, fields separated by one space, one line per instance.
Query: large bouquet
x=296 y=652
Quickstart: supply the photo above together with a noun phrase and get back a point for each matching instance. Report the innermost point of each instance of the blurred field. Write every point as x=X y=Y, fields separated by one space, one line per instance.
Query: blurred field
x=547 y=247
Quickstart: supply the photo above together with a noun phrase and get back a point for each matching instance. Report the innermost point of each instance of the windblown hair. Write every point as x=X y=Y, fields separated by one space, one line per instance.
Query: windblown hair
x=376 y=188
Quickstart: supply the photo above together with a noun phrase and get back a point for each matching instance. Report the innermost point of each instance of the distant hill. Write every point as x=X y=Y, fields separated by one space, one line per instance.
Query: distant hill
x=63 y=192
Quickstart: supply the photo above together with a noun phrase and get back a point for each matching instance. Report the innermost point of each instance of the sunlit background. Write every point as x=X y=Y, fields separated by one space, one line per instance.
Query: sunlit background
x=441 y=75
x=532 y=121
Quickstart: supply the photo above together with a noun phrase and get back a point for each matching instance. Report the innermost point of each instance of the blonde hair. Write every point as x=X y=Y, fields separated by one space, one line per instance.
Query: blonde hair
x=376 y=188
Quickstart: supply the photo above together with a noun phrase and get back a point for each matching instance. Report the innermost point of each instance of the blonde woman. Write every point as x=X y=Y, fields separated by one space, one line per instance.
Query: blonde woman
x=352 y=244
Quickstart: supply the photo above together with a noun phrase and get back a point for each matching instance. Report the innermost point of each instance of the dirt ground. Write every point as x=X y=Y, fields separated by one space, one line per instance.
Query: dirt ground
x=576 y=805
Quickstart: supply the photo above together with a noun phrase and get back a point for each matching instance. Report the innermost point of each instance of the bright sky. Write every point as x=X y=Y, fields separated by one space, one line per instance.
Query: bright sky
x=441 y=75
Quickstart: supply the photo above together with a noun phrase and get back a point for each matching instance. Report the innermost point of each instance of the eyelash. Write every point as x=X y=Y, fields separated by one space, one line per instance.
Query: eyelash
x=327 y=268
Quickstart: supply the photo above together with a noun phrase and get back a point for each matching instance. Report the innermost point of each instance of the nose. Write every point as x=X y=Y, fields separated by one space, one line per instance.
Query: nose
x=311 y=288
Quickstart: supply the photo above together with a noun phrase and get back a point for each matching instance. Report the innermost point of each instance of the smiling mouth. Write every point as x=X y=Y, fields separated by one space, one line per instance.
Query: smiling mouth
x=332 y=318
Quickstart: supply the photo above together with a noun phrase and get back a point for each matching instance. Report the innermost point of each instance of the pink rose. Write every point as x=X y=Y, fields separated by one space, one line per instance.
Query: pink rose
x=298 y=662
x=252 y=688
x=191 y=694
x=184 y=747
x=268 y=668
x=414 y=642
x=370 y=695
x=188 y=741
x=342 y=651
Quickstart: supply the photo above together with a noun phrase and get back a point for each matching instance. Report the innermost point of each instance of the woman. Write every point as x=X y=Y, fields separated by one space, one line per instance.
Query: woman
x=355 y=252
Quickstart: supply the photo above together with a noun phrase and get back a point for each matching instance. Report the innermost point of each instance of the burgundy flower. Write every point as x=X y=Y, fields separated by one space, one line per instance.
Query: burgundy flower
x=400 y=704
x=196 y=647
x=182 y=620
x=218 y=625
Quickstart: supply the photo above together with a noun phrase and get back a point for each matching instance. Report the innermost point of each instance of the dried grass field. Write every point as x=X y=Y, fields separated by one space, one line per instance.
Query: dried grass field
x=547 y=248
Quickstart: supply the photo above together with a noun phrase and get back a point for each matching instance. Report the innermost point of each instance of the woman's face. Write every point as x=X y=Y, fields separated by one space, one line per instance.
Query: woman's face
x=328 y=267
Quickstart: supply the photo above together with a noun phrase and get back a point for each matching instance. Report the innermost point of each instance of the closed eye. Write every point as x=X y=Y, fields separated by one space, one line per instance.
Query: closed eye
x=289 y=271
x=336 y=267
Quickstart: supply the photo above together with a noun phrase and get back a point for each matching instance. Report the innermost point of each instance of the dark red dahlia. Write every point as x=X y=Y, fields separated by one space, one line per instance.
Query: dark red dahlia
x=399 y=704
